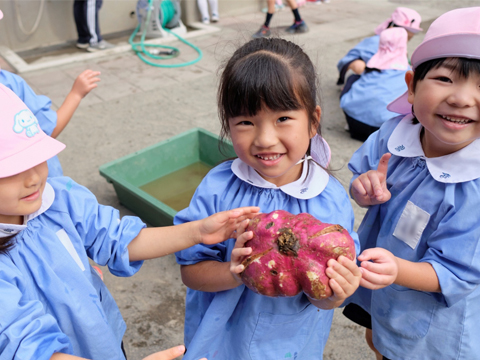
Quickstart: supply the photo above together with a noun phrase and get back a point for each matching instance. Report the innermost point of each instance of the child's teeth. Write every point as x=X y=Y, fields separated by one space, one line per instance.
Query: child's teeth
x=457 y=121
x=269 y=157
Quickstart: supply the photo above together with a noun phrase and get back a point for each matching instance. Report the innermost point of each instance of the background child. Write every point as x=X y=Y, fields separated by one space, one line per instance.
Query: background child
x=422 y=229
x=53 y=302
x=364 y=100
x=356 y=58
x=50 y=121
x=298 y=27
x=203 y=7
x=268 y=107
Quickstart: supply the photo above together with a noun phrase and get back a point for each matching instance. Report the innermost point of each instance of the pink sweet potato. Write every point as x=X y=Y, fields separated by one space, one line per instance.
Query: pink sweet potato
x=290 y=254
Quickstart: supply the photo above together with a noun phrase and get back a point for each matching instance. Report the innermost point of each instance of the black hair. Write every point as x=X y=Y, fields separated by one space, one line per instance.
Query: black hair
x=6 y=244
x=460 y=66
x=268 y=73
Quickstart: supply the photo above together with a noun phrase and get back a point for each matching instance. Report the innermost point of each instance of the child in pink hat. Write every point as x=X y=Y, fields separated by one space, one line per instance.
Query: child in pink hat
x=54 y=304
x=419 y=177
x=356 y=59
x=52 y=122
x=365 y=97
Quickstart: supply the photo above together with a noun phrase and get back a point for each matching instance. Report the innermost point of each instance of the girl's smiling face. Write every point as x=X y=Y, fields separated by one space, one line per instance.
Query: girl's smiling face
x=21 y=194
x=272 y=142
x=447 y=104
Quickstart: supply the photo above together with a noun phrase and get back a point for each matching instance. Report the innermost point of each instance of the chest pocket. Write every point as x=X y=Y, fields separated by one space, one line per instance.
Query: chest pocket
x=283 y=336
x=411 y=224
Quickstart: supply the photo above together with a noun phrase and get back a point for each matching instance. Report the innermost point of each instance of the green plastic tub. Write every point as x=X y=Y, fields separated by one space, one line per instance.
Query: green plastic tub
x=156 y=182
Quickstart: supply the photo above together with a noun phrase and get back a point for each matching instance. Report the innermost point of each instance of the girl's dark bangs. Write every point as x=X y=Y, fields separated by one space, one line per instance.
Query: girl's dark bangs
x=250 y=89
x=461 y=66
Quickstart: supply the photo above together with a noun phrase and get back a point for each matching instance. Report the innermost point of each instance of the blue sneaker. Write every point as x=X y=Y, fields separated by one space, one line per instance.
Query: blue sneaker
x=262 y=33
x=299 y=28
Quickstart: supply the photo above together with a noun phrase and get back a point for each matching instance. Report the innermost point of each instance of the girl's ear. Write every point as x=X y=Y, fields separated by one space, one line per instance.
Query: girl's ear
x=409 y=81
x=315 y=124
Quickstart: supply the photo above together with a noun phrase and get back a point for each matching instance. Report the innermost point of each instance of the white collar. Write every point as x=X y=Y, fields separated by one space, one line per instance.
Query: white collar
x=48 y=197
x=460 y=166
x=312 y=182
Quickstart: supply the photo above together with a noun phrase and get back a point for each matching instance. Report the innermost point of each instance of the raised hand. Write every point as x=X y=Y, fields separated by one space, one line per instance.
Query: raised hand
x=379 y=268
x=239 y=252
x=370 y=188
x=85 y=82
x=221 y=226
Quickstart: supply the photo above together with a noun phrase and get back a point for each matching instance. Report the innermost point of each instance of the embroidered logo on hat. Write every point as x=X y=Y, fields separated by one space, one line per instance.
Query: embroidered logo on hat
x=25 y=120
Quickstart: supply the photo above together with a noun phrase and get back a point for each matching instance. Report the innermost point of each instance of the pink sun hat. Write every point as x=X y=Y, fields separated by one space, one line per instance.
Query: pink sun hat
x=23 y=144
x=404 y=17
x=453 y=34
x=392 y=50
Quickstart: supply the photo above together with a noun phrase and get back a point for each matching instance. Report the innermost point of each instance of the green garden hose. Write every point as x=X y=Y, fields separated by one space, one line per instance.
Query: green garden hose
x=168 y=11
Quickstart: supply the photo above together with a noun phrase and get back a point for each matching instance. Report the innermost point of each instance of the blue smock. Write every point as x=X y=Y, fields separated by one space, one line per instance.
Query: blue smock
x=367 y=99
x=364 y=50
x=238 y=323
x=40 y=106
x=51 y=299
x=443 y=196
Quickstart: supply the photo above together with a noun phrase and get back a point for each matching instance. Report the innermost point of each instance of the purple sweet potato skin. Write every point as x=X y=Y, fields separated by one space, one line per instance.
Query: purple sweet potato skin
x=290 y=254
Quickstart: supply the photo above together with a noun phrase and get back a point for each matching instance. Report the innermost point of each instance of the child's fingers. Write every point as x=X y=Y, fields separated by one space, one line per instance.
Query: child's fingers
x=376 y=184
x=358 y=187
x=379 y=280
x=347 y=275
x=368 y=285
x=243 y=238
x=241 y=252
x=336 y=288
x=237 y=269
x=383 y=164
x=350 y=265
x=242 y=227
x=367 y=185
x=248 y=211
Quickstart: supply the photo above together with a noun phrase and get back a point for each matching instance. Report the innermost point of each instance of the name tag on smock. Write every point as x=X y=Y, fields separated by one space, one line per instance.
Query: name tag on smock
x=411 y=224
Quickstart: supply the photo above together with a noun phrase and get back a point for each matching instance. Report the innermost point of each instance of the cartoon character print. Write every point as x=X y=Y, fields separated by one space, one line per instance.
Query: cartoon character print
x=25 y=120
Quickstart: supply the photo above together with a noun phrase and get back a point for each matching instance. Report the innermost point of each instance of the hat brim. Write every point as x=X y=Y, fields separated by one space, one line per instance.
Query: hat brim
x=400 y=105
x=1 y=15
x=30 y=157
x=465 y=45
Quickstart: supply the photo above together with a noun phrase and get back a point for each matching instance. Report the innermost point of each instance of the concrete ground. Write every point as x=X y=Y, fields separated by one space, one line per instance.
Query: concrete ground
x=137 y=105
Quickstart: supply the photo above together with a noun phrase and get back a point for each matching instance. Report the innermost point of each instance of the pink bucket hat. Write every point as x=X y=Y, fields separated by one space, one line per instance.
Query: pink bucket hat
x=23 y=144
x=392 y=50
x=404 y=17
x=453 y=34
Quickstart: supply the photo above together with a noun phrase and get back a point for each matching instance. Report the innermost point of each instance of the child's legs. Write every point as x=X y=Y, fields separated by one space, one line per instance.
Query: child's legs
x=271 y=6
x=80 y=16
x=213 y=6
x=98 y=5
x=203 y=7
x=293 y=4
x=368 y=338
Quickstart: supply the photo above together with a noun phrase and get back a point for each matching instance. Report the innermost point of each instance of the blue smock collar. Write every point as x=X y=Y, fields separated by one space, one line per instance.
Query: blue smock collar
x=460 y=166
x=312 y=182
x=48 y=197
